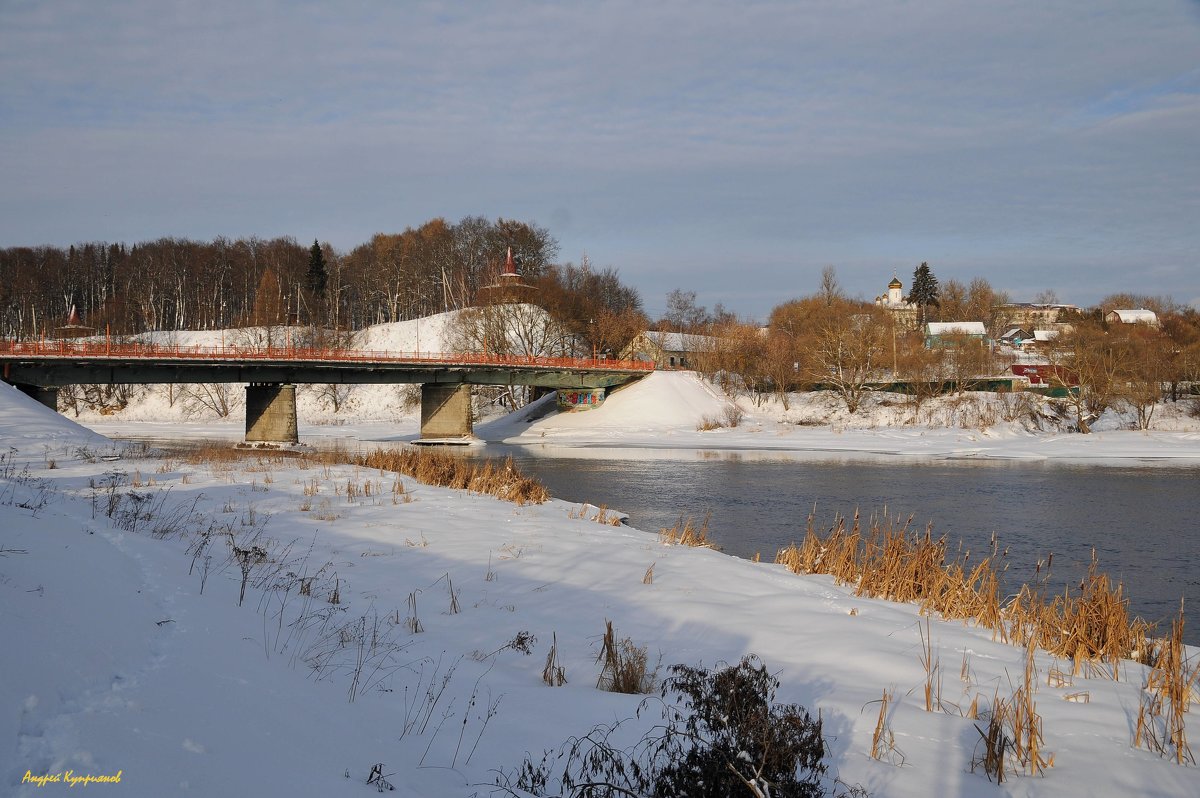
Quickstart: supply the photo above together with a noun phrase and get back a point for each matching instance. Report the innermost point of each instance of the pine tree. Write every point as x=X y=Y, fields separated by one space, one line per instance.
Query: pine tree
x=317 y=276
x=924 y=290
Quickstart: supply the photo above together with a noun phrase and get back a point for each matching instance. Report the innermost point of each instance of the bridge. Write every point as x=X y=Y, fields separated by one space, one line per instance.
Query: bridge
x=271 y=373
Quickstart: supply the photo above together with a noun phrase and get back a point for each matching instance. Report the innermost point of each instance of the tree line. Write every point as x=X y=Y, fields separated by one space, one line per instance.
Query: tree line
x=852 y=347
x=178 y=283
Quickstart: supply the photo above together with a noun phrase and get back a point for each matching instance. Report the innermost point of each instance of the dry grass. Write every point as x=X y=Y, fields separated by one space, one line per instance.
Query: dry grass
x=430 y=466
x=443 y=469
x=1165 y=699
x=933 y=668
x=554 y=674
x=883 y=741
x=1013 y=741
x=731 y=416
x=1026 y=724
x=884 y=559
x=602 y=515
x=623 y=665
x=687 y=533
x=1090 y=626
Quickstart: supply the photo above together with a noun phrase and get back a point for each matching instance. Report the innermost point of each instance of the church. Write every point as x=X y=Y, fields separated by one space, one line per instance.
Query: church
x=904 y=312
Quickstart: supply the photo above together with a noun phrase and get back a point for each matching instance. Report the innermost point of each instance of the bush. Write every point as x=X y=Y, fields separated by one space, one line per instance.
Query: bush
x=721 y=736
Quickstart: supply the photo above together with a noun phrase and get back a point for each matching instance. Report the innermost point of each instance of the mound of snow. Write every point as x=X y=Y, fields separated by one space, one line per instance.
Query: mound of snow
x=662 y=402
x=25 y=422
x=430 y=334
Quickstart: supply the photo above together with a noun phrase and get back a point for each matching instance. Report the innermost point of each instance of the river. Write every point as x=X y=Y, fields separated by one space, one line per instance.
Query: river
x=1142 y=521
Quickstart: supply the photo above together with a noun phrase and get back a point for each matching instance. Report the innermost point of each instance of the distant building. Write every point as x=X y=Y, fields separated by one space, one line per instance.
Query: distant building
x=1032 y=315
x=905 y=313
x=952 y=333
x=1139 y=316
x=509 y=288
x=1015 y=336
x=669 y=350
x=73 y=329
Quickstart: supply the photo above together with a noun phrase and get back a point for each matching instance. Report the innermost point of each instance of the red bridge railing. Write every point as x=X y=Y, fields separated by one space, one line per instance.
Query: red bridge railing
x=92 y=349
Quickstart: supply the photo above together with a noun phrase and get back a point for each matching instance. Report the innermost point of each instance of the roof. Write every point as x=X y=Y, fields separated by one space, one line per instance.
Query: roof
x=1045 y=335
x=895 y=283
x=955 y=328
x=1139 y=316
x=1014 y=332
x=680 y=342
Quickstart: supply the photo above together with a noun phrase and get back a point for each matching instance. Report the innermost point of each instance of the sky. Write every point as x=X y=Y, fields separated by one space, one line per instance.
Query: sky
x=731 y=148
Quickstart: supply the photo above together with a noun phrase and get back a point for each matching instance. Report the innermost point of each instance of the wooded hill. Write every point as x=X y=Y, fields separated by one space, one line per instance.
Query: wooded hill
x=175 y=283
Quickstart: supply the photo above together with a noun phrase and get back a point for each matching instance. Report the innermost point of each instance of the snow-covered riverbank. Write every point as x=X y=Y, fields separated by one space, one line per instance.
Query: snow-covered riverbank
x=119 y=659
x=664 y=410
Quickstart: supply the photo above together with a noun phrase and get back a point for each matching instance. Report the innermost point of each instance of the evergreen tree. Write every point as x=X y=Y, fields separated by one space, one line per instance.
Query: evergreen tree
x=924 y=290
x=317 y=276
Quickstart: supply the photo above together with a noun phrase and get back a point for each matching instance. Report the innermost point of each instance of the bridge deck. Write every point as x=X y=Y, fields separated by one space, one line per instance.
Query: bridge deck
x=66 y=362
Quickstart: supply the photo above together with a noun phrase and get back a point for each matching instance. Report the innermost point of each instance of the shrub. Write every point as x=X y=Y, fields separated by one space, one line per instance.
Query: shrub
x=721 y=736
x=743 y=743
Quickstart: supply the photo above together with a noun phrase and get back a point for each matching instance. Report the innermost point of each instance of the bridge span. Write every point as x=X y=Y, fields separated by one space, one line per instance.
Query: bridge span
x=271 y=373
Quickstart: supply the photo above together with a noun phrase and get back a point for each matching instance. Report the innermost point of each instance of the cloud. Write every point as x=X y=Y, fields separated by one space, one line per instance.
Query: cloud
x=786 y=135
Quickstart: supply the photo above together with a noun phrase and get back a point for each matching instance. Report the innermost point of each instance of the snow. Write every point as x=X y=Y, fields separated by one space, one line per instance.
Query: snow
x=117 y=659
x=955 y=328
x=664 y=410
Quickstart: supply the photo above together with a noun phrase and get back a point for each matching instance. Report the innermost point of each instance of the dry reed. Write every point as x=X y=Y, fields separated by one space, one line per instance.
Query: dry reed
x=1013 y=739
x=884 y=559
x=687 y=533
x=1166 y=698
x=443 y=469
x=554 y=674
x=883 y=741
x=623 y=665
x=430 y=466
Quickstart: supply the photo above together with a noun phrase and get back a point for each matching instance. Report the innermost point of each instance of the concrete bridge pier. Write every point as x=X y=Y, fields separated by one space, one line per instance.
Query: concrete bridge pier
x=446 y=411
x=47 y=396
x=271 y=413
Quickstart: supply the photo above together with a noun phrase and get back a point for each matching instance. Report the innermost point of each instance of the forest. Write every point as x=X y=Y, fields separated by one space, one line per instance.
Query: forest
x=182 y=284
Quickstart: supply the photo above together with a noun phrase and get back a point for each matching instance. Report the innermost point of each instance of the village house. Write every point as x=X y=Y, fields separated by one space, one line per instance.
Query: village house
x=941 y=334
x=1015 y=336
x=669 y=350
x=1033 y=315
x=1139 y=316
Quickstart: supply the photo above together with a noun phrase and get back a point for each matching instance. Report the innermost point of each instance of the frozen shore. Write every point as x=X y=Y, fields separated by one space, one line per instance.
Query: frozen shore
x=133 y=656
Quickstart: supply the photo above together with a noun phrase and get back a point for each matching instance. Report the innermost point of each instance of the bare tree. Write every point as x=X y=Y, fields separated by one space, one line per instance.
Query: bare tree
x=1088 y=365
x=1147 y=371
x=683 y=314
x=830 y=290
x=846 y=351
x=521 y=329
x=202 y=399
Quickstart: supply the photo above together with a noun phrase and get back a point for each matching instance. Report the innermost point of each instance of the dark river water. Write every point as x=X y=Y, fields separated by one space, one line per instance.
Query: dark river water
x=1142 y=521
